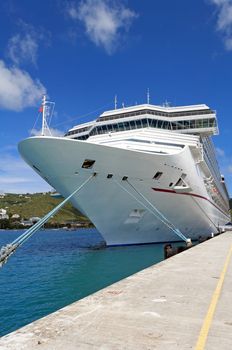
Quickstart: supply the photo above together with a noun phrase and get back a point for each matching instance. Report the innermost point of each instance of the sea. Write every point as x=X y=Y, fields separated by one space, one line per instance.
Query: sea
x=57 y=267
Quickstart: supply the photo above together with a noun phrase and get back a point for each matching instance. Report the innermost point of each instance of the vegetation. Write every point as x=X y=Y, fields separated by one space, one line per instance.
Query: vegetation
x=37 y=205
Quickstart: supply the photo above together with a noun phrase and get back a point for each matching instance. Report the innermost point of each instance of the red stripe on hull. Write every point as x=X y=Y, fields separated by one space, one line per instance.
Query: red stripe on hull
x=188 y=194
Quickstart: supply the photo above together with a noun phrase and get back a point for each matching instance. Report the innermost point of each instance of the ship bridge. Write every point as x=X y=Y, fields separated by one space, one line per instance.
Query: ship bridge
x=194 y=119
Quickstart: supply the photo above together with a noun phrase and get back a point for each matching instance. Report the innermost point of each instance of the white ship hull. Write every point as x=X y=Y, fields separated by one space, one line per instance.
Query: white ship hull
x=116 y=207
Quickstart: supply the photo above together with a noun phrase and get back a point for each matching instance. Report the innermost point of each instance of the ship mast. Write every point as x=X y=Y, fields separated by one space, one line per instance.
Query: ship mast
x=44 y=116
x=47 y=109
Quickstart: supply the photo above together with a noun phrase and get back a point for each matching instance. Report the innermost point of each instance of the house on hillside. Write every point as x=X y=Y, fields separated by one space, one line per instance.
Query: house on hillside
x=34 y=219
x=3 y=214
x=15 y=216
x=26 y=223
x=31 y=221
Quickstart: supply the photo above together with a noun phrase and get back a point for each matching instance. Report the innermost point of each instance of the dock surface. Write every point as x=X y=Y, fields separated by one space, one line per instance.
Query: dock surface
x=184 y=302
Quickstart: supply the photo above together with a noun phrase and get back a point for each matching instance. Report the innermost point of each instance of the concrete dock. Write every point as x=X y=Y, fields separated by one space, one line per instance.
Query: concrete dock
x=184 y=302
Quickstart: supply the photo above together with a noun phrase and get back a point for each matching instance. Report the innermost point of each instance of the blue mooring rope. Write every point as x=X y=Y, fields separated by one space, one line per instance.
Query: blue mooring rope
x=10 y=248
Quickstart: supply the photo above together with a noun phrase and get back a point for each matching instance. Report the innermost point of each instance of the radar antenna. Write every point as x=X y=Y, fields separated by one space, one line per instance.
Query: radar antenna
x=167 y=103
x=115 y=101
x=148 y=96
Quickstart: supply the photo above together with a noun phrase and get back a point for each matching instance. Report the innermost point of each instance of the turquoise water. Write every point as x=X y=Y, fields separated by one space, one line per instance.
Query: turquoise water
x=56 y=267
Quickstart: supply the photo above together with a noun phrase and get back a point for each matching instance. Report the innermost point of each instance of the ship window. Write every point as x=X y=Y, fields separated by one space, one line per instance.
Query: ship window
x=180 y=125
x=199 y=123
x=138 y=124
x=192 y=124
x=144 y=123
x=173 y=125
x=110 y=127
x=121 y=126
x=165 y=125
x=127 y=125
x=154 y=123
x=212 y=122
x=186 y=124
x=157 y=175
x=99 y=128
x=160 y=122
x=115 y=126
x=171 y=184
x=132 y=124
x=88 y=164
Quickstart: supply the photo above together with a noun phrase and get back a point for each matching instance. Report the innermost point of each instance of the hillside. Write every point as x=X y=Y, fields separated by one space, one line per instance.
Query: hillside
x=37 y=205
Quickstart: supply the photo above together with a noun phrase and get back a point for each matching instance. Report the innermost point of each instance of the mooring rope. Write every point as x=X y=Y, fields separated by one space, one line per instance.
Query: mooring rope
x=10 y=248
x=161 y=217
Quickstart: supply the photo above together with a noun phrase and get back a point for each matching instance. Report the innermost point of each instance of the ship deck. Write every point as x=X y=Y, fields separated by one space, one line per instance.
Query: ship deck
x=183 y=302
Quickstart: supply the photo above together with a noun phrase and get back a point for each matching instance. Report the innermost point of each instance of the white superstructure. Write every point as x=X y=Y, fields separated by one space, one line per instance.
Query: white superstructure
x=155 y=170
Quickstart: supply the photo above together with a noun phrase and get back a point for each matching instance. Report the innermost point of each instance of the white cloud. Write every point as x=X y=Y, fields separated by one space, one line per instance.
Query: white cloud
x=17 y=89
x=23 y=48
x=224 y=20
x=53 y=132
x=104 y=21
x=72 y=10
x=17 y=177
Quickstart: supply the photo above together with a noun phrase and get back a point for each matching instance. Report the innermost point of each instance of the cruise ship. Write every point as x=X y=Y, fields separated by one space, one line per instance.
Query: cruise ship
x=153 y=172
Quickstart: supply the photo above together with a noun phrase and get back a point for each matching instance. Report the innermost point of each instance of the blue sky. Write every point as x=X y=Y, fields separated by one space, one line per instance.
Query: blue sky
x=84 y=52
